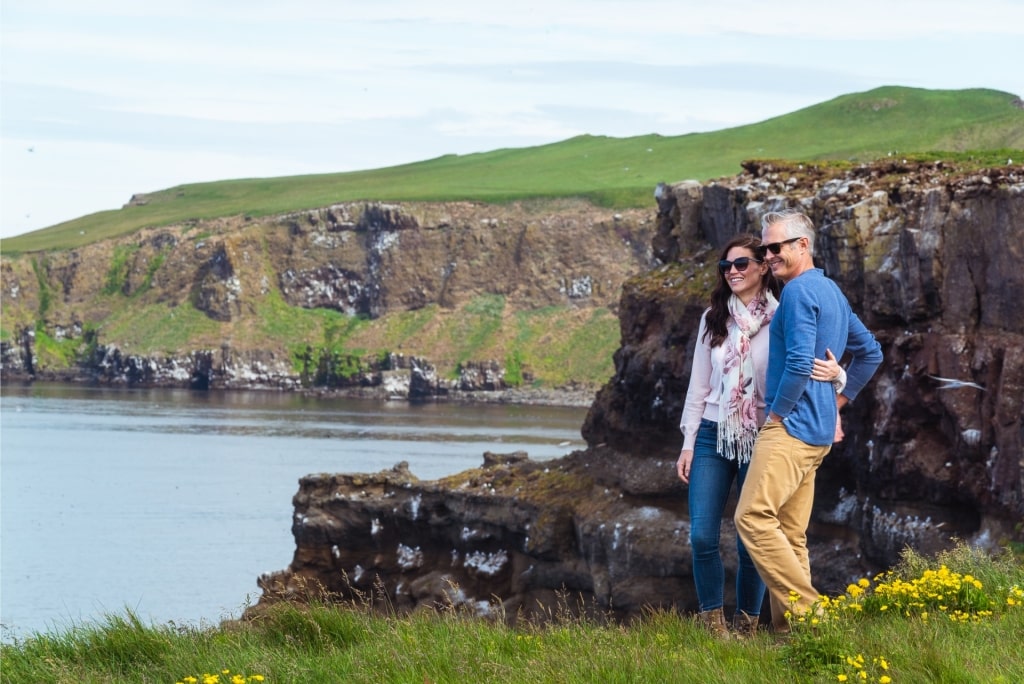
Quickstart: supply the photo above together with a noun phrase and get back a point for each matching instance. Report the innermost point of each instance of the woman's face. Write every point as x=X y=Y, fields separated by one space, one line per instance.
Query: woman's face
x=745 y=283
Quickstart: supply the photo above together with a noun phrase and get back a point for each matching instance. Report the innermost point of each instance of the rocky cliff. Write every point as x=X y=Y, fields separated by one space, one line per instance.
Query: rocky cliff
x=928 y=255
x=411 y=299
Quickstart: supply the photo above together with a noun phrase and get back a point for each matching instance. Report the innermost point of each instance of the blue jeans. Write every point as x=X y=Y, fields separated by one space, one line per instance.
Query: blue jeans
x=711 y=478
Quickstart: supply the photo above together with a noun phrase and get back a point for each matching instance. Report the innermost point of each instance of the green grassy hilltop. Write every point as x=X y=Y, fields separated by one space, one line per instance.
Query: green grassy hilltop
x=620 y=172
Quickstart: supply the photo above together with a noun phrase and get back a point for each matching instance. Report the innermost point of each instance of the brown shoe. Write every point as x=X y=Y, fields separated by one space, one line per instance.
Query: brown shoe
x=744 y=626
x=714 y=622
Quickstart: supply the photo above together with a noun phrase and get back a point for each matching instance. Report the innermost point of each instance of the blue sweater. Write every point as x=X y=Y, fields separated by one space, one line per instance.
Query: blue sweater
x=813 y=316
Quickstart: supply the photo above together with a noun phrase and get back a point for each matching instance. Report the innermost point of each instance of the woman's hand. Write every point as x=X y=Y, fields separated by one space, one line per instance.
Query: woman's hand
x=683 y=465
x=838 y=437
x=827 y=370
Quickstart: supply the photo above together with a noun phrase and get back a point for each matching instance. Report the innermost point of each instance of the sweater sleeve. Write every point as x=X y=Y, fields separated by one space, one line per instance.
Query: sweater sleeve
x=867 y=357
x=699 y=388
x=801 y=332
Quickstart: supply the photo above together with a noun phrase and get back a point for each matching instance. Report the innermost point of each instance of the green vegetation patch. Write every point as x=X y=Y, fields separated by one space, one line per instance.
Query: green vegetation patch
x=151 y=269
x=403 y=328
x=41 y=267
x=549 y=346
x=157 y=328
x=559 y=344
x=61 y=354
x=296 y=328
x=117 y=274
x=475 y=327
x=54 y=354
x=514 y=368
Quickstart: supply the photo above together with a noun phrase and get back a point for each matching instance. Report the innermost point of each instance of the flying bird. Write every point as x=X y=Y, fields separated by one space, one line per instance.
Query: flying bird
x=950 y=383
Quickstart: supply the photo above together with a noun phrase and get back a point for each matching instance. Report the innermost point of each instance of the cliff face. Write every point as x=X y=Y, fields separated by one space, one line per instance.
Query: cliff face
x=928 y=256
x=930 y=261
x=245 y=303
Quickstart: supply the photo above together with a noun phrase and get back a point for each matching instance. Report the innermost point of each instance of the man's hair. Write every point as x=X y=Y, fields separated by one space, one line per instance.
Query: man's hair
x=797 y=223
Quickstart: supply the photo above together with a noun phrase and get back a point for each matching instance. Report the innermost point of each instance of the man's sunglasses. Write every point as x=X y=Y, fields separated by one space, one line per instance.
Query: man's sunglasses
x=776 y=247
x=740 y=264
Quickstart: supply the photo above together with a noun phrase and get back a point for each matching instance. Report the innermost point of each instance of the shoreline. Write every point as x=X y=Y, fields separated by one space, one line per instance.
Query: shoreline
x=574 y=396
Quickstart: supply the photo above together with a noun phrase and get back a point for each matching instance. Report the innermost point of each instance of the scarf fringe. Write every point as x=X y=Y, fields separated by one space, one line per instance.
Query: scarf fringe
x=735 y=440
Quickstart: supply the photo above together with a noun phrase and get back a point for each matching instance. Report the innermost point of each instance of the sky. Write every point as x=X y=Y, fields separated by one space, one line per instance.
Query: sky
x=104 y=99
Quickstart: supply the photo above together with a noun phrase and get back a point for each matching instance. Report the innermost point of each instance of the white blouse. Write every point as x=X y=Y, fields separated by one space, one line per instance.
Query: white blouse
x=704 y=392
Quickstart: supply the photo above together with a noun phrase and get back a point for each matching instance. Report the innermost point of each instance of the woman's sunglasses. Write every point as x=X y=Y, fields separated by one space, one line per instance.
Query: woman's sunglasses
x=740 y=264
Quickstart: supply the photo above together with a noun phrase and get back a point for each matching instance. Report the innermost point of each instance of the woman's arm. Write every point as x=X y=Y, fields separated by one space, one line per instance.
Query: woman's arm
x=829 y=370
x=698 y=389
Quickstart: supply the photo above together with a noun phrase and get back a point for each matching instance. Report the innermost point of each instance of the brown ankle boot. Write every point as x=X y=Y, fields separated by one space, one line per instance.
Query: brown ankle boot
x=714 y=622
x=745 y=626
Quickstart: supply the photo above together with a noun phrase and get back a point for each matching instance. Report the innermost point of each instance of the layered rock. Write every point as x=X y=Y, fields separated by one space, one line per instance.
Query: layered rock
x=364 y=259
x=515 y=538
x=928 y=256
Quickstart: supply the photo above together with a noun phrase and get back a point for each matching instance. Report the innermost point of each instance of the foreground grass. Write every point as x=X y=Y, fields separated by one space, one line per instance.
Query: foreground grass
x=957 y=618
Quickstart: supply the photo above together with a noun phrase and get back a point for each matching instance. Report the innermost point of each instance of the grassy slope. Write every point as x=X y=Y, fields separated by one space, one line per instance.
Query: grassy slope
x=611 y=171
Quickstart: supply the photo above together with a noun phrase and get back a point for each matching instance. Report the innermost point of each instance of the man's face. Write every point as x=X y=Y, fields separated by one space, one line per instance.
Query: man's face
x=784 y=264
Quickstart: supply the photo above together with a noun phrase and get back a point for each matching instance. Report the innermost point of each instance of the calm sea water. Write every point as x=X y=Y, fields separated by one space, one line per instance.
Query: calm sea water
x=170 y=503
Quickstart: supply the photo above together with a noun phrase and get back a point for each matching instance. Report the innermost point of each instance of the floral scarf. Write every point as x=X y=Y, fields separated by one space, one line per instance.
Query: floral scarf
x=737 y=406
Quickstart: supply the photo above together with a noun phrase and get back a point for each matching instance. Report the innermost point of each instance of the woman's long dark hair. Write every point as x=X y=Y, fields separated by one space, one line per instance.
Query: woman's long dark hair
x=718 y=316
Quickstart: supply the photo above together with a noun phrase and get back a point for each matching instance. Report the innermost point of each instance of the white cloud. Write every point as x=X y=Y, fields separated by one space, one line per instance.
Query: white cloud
x=128 y=96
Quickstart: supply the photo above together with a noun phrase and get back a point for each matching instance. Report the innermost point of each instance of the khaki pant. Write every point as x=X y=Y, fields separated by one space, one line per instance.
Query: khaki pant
x=772 y=514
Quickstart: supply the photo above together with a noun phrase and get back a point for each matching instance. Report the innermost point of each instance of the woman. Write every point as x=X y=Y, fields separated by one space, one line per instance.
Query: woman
x=723 y=410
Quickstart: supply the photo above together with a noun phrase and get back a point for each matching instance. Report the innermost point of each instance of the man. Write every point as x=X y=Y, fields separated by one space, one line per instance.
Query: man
x=813 y=317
